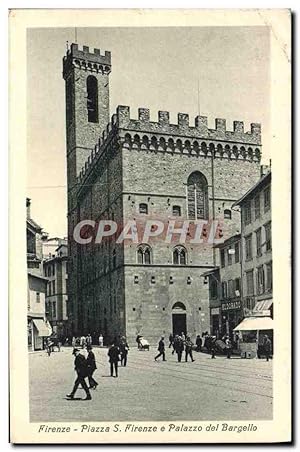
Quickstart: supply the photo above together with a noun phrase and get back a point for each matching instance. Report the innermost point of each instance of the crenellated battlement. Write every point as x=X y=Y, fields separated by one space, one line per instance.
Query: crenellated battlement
x=86 y=58
x=181 y=138
x=182 y=128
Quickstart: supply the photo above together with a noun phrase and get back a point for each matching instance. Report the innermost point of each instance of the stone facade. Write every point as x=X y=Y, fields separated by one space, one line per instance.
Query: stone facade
x=116 y=168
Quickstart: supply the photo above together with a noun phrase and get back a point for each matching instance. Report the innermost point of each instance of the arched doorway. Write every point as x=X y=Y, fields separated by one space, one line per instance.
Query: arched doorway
x=179 y=318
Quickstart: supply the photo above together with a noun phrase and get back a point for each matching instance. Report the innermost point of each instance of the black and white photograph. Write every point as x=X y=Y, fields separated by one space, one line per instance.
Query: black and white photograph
x=150 y=253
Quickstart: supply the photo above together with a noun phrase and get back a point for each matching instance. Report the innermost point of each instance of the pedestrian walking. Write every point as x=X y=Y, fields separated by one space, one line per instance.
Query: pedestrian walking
x=80 y=365
x=228 y=347
x=91 y=367
x=179 y=347
x=171 y=340
x=49 y=346
x=100 y=340
x=213 y=347
x=174 y=343
x=124 y=351
x=198 y=343
x=113 y=353
x=189 y=349
x=88 y=340
x=267 y=347
x=161 y=349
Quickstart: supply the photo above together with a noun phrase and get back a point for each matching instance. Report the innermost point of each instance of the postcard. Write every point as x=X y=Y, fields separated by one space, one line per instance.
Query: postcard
x=150 y=164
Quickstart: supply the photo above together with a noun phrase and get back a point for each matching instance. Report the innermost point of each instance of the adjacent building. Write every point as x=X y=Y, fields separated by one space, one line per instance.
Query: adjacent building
x=127 y=169
x=241 y=286
x=226 y=308
x=256 y=236
x=55 y=270
x=37 y=325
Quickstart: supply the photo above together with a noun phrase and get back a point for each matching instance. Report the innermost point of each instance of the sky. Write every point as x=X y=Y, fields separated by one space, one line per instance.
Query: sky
x=157 y=68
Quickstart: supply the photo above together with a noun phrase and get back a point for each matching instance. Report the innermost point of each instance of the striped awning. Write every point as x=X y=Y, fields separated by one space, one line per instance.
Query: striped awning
x=42 y=327
x=263 y=305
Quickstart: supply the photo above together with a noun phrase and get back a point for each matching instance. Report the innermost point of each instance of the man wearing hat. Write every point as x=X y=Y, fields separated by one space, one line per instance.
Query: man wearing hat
x=91 y=367
x=161 y=349
x=80 y=365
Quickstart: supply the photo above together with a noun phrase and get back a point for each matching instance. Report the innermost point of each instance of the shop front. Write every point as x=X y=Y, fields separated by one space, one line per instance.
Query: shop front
x=231 y=316
x=215 y=319
x=38 y=329
x=252 y=332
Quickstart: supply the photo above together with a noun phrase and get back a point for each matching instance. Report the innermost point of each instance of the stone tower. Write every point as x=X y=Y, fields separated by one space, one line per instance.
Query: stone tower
x=86 y=74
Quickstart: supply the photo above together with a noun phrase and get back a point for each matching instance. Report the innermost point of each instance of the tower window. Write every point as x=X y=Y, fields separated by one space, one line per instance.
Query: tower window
x=176 y=211
x=143 y=208
x=227 y=214
x=92 y=98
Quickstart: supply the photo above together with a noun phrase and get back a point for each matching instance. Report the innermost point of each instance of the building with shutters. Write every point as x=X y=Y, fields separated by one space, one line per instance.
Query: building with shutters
x=256 y=238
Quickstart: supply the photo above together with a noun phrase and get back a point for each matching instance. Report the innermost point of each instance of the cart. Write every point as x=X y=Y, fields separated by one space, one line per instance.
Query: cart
x=143 y=344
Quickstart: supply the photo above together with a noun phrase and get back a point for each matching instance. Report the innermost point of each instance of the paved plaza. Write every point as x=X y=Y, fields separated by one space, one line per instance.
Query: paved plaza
x=220 y=389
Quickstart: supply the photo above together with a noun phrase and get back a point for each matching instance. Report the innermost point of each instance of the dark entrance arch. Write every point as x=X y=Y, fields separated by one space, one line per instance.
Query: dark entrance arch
x=179 y=318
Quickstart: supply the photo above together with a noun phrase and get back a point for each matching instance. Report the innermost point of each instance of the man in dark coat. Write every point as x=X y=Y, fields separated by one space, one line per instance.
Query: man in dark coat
x=113 y=353
x=198 y=343
x=267 y=347
x=188 y=349
x=161 y=349
x=80 y=365
x=228 y=346
x=213 y=347
x=178 y=347
x=91 y=367
x=124 y=351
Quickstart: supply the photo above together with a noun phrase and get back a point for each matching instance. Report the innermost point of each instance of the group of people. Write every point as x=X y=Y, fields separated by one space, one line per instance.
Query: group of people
x=86 y=366
x=180 y=343
x=85 y=341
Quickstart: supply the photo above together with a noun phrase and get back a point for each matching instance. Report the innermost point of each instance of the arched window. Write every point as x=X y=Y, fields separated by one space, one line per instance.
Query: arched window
x=179 y=256
x=92 y=98
x=227 y=214
x=147 y=258
x=144 y=254
x=140 y=256
x=143 y=208
x=197 y=193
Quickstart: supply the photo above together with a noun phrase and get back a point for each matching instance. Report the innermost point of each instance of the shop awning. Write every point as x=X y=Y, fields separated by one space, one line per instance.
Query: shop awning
x=263 y=305
x=255 y=323
x=42 y=327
